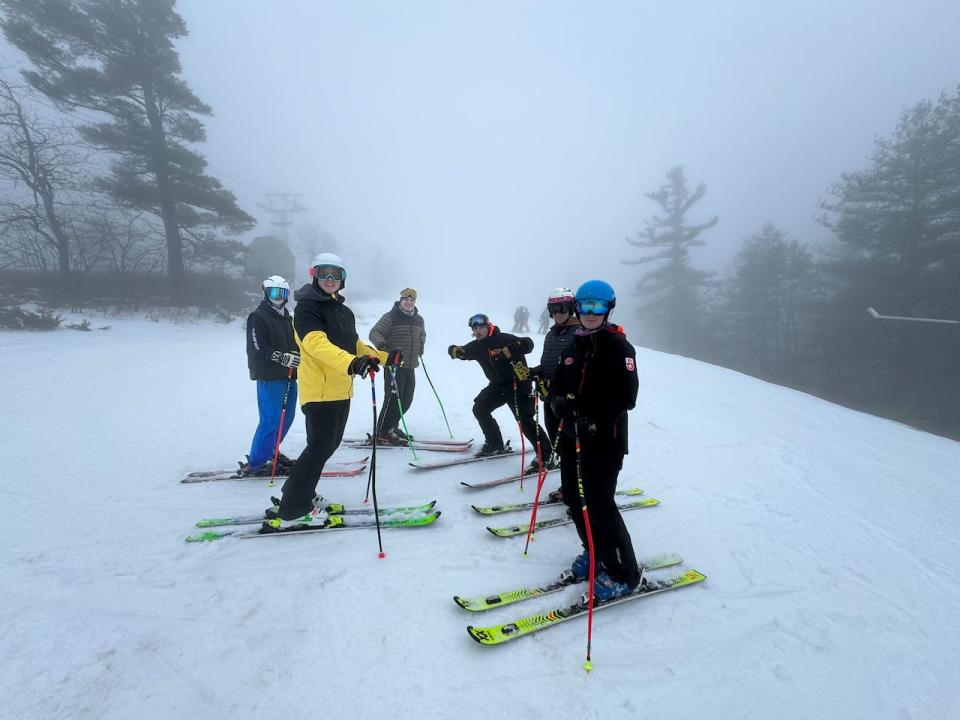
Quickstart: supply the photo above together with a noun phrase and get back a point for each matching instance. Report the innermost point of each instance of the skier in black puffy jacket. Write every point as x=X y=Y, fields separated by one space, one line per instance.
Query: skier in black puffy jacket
x=272 y=358
x=561 y=306
x=503 y=359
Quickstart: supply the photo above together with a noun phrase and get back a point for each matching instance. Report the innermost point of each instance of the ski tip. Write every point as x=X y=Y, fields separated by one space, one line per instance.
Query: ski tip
x=460 y=602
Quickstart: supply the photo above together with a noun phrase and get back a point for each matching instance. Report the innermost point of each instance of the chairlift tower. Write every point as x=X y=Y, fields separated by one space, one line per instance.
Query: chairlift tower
x=281 y=207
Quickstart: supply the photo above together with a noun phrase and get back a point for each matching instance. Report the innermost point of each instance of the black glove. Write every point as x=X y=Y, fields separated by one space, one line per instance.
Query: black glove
x=456 y=352
x=561 y=407
x=588 y=426
x=362 y=364
x=520 y=370
x=288 y=359
x=395 y=358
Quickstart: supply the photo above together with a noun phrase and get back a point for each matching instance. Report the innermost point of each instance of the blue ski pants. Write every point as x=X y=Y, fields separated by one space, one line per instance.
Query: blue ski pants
x=270 y=404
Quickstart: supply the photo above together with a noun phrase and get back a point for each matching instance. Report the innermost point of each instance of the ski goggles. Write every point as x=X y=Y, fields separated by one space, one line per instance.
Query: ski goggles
x=554 y=308
x=327 y=272
x=277 y=293
x=593 y=307
x=478 y=321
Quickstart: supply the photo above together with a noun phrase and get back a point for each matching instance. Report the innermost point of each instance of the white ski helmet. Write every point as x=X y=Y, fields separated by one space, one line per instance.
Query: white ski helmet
x=276 y=290
x=329 y=260
x=560 y=295
x=561 y=299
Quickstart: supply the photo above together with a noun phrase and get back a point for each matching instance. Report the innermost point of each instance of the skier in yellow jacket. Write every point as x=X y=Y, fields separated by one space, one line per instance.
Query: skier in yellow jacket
x=331 y=355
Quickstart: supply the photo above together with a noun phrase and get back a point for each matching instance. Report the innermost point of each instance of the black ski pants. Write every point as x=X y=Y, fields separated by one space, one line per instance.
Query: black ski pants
x=550 y=421
x=600 y=463
x=521 y=405
x=390 y=414
x=325 y=423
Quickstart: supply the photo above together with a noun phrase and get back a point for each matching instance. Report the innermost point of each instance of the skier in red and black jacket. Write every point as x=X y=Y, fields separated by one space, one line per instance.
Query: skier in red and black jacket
x=503 y=359
x=594 y=388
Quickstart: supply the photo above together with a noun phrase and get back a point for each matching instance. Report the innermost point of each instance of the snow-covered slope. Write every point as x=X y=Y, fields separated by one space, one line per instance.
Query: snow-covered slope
x=829 y=538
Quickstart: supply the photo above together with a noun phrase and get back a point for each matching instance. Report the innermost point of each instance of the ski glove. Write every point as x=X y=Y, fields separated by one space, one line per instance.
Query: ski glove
x=520 y=370
x=288 y=359
x=363 y=364
x=395 y=358
x=561 y=407
x=542 y=386
x=457 y=352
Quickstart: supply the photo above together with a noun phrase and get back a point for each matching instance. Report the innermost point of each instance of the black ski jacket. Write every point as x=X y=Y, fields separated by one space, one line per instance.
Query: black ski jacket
x=600 y=372
x=489 y=353
x=269 y=335
x=556 y=342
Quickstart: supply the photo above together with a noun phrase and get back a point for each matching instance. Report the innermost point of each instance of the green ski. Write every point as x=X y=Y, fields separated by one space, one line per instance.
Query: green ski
x=557 y=522
x=498 y=509
x=497 y=634
x=488 y=602
x=331 y=523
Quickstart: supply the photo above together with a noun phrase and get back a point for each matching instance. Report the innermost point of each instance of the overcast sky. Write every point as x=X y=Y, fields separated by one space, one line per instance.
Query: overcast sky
x=478 y=145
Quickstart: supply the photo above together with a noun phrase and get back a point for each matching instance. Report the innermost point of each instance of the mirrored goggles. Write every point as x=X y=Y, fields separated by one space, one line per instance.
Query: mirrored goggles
x=409 y=297
x=327 y=272
x=593 y=307
x=554 y=308
x=278 y=293
x=477 y=321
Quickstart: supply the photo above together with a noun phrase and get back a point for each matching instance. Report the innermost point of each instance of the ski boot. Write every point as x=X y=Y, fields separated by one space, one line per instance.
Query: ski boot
x=489 y=449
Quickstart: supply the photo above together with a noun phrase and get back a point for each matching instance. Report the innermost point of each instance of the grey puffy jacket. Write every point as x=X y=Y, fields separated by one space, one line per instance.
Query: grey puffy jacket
x=396 y=329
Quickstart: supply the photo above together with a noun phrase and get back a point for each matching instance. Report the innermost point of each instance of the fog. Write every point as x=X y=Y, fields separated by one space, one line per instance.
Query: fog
x=472 y=148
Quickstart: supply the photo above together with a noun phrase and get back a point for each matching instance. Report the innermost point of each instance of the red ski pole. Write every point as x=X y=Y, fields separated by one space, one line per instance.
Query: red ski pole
x=588 y=665
x=283 y=416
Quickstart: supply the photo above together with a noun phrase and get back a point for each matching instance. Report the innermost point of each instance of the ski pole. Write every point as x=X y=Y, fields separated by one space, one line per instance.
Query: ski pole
x=424 y=366
x=403 y=420
x=588 y=665
x=523 y=444
x=541 y=475
x=283 y=416
x=372 y=479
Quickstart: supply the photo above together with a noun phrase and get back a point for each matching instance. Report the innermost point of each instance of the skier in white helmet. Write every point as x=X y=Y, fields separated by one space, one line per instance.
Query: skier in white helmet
x=272 y=357
x=332 y=355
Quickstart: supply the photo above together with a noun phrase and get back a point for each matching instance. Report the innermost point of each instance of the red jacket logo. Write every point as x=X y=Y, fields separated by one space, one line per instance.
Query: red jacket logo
x=631 y=365
x=568 y=361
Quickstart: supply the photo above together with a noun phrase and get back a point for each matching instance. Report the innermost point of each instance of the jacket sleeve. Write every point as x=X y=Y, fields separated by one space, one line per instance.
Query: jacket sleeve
x=515 y=344
x=364 y=349
x=380 y=331
x=317 y=345
x=258 y=340
x=423 y=337
x=624 y=382
x=473 y=350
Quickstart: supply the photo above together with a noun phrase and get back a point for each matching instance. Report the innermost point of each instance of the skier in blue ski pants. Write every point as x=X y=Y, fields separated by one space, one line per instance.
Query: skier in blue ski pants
x=270 y=404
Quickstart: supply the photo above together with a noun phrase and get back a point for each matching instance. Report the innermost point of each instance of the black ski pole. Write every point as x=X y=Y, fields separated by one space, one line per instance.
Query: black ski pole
x=372 y=479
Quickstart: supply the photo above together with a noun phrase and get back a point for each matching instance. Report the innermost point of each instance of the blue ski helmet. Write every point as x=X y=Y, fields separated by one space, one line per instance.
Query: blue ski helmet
x=596 y=297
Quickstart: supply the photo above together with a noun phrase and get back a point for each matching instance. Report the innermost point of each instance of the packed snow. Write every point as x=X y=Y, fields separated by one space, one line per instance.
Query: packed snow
x=829 y=538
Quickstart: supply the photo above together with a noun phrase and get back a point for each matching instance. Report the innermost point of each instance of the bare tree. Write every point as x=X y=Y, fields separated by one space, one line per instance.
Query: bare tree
x=42 y=160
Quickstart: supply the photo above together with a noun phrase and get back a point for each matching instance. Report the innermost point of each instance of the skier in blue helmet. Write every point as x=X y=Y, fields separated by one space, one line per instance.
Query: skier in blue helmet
x=594 y=388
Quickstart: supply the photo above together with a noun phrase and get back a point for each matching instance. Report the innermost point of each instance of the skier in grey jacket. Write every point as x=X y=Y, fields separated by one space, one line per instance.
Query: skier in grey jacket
x=403 y=328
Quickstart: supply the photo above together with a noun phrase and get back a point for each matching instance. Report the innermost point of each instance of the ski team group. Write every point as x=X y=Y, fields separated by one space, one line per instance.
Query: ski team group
x=586 y=378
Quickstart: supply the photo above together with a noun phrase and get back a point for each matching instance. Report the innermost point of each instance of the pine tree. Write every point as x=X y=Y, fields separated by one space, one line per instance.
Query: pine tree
x=117 y=57
x=897 y=226
x=670 y=293
x=767 y=306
